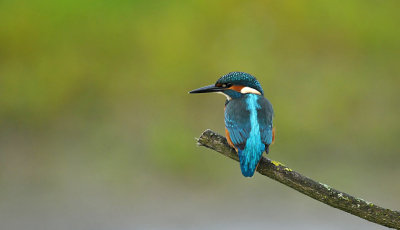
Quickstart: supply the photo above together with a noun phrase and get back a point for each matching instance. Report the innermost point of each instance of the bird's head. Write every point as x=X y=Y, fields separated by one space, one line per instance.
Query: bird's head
x=233 y=85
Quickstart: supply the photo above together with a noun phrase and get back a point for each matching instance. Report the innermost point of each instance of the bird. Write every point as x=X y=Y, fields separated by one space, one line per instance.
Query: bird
x=248 y=117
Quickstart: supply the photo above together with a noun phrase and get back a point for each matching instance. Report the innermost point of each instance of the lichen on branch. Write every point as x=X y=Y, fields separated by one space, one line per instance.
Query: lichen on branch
x=307 y=186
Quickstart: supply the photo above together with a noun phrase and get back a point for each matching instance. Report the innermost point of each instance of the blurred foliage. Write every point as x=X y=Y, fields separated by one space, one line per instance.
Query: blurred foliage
x=97 y=90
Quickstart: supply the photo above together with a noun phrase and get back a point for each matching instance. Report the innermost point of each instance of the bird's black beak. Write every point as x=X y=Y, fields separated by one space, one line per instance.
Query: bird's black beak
x=207 y=89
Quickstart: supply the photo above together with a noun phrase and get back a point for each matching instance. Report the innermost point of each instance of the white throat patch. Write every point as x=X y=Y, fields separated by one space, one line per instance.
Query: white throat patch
x=227 y=97
x=249 y=90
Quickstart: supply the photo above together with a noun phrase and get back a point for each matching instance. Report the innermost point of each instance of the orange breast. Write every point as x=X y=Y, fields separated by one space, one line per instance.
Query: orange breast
x=273 y=135
x=228 y=138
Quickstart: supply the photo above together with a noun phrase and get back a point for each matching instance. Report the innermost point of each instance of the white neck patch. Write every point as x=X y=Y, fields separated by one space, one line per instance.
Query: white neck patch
x=227 y=97
x=249 y=90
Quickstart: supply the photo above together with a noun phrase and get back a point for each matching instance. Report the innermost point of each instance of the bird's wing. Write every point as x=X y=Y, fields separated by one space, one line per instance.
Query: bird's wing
x=237 y=122
x=265 y=115
x=241 y=117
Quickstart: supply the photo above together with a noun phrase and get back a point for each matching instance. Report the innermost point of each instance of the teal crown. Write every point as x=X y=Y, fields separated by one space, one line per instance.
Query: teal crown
x=241 y=78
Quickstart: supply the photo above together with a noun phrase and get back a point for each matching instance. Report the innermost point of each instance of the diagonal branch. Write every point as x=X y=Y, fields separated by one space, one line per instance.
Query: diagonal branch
x=307 y=186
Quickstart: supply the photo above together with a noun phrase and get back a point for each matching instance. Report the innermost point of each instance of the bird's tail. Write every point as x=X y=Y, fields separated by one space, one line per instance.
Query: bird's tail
x=249 y=158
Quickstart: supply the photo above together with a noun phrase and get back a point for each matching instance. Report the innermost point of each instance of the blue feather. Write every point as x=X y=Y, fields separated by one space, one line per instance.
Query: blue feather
x=251 y=154
x=249 y=122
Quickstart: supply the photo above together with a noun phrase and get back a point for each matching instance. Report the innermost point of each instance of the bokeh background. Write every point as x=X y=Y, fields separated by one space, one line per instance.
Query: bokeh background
x=97 y=130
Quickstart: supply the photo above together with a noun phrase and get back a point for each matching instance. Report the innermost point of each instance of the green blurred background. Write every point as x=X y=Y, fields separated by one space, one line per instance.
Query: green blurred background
x=97 y=130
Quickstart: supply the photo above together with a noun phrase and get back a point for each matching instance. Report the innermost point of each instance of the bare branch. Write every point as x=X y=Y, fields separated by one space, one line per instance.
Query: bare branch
x=307 y=186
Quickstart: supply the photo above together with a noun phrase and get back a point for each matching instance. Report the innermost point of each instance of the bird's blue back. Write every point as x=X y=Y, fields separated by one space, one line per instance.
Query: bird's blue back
x=248 y=120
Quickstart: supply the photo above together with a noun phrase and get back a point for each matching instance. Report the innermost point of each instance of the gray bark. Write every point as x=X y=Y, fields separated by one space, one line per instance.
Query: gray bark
x=307 y=186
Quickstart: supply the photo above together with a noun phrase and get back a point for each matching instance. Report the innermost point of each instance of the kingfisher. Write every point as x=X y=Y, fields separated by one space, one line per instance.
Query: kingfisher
x=248 y=117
